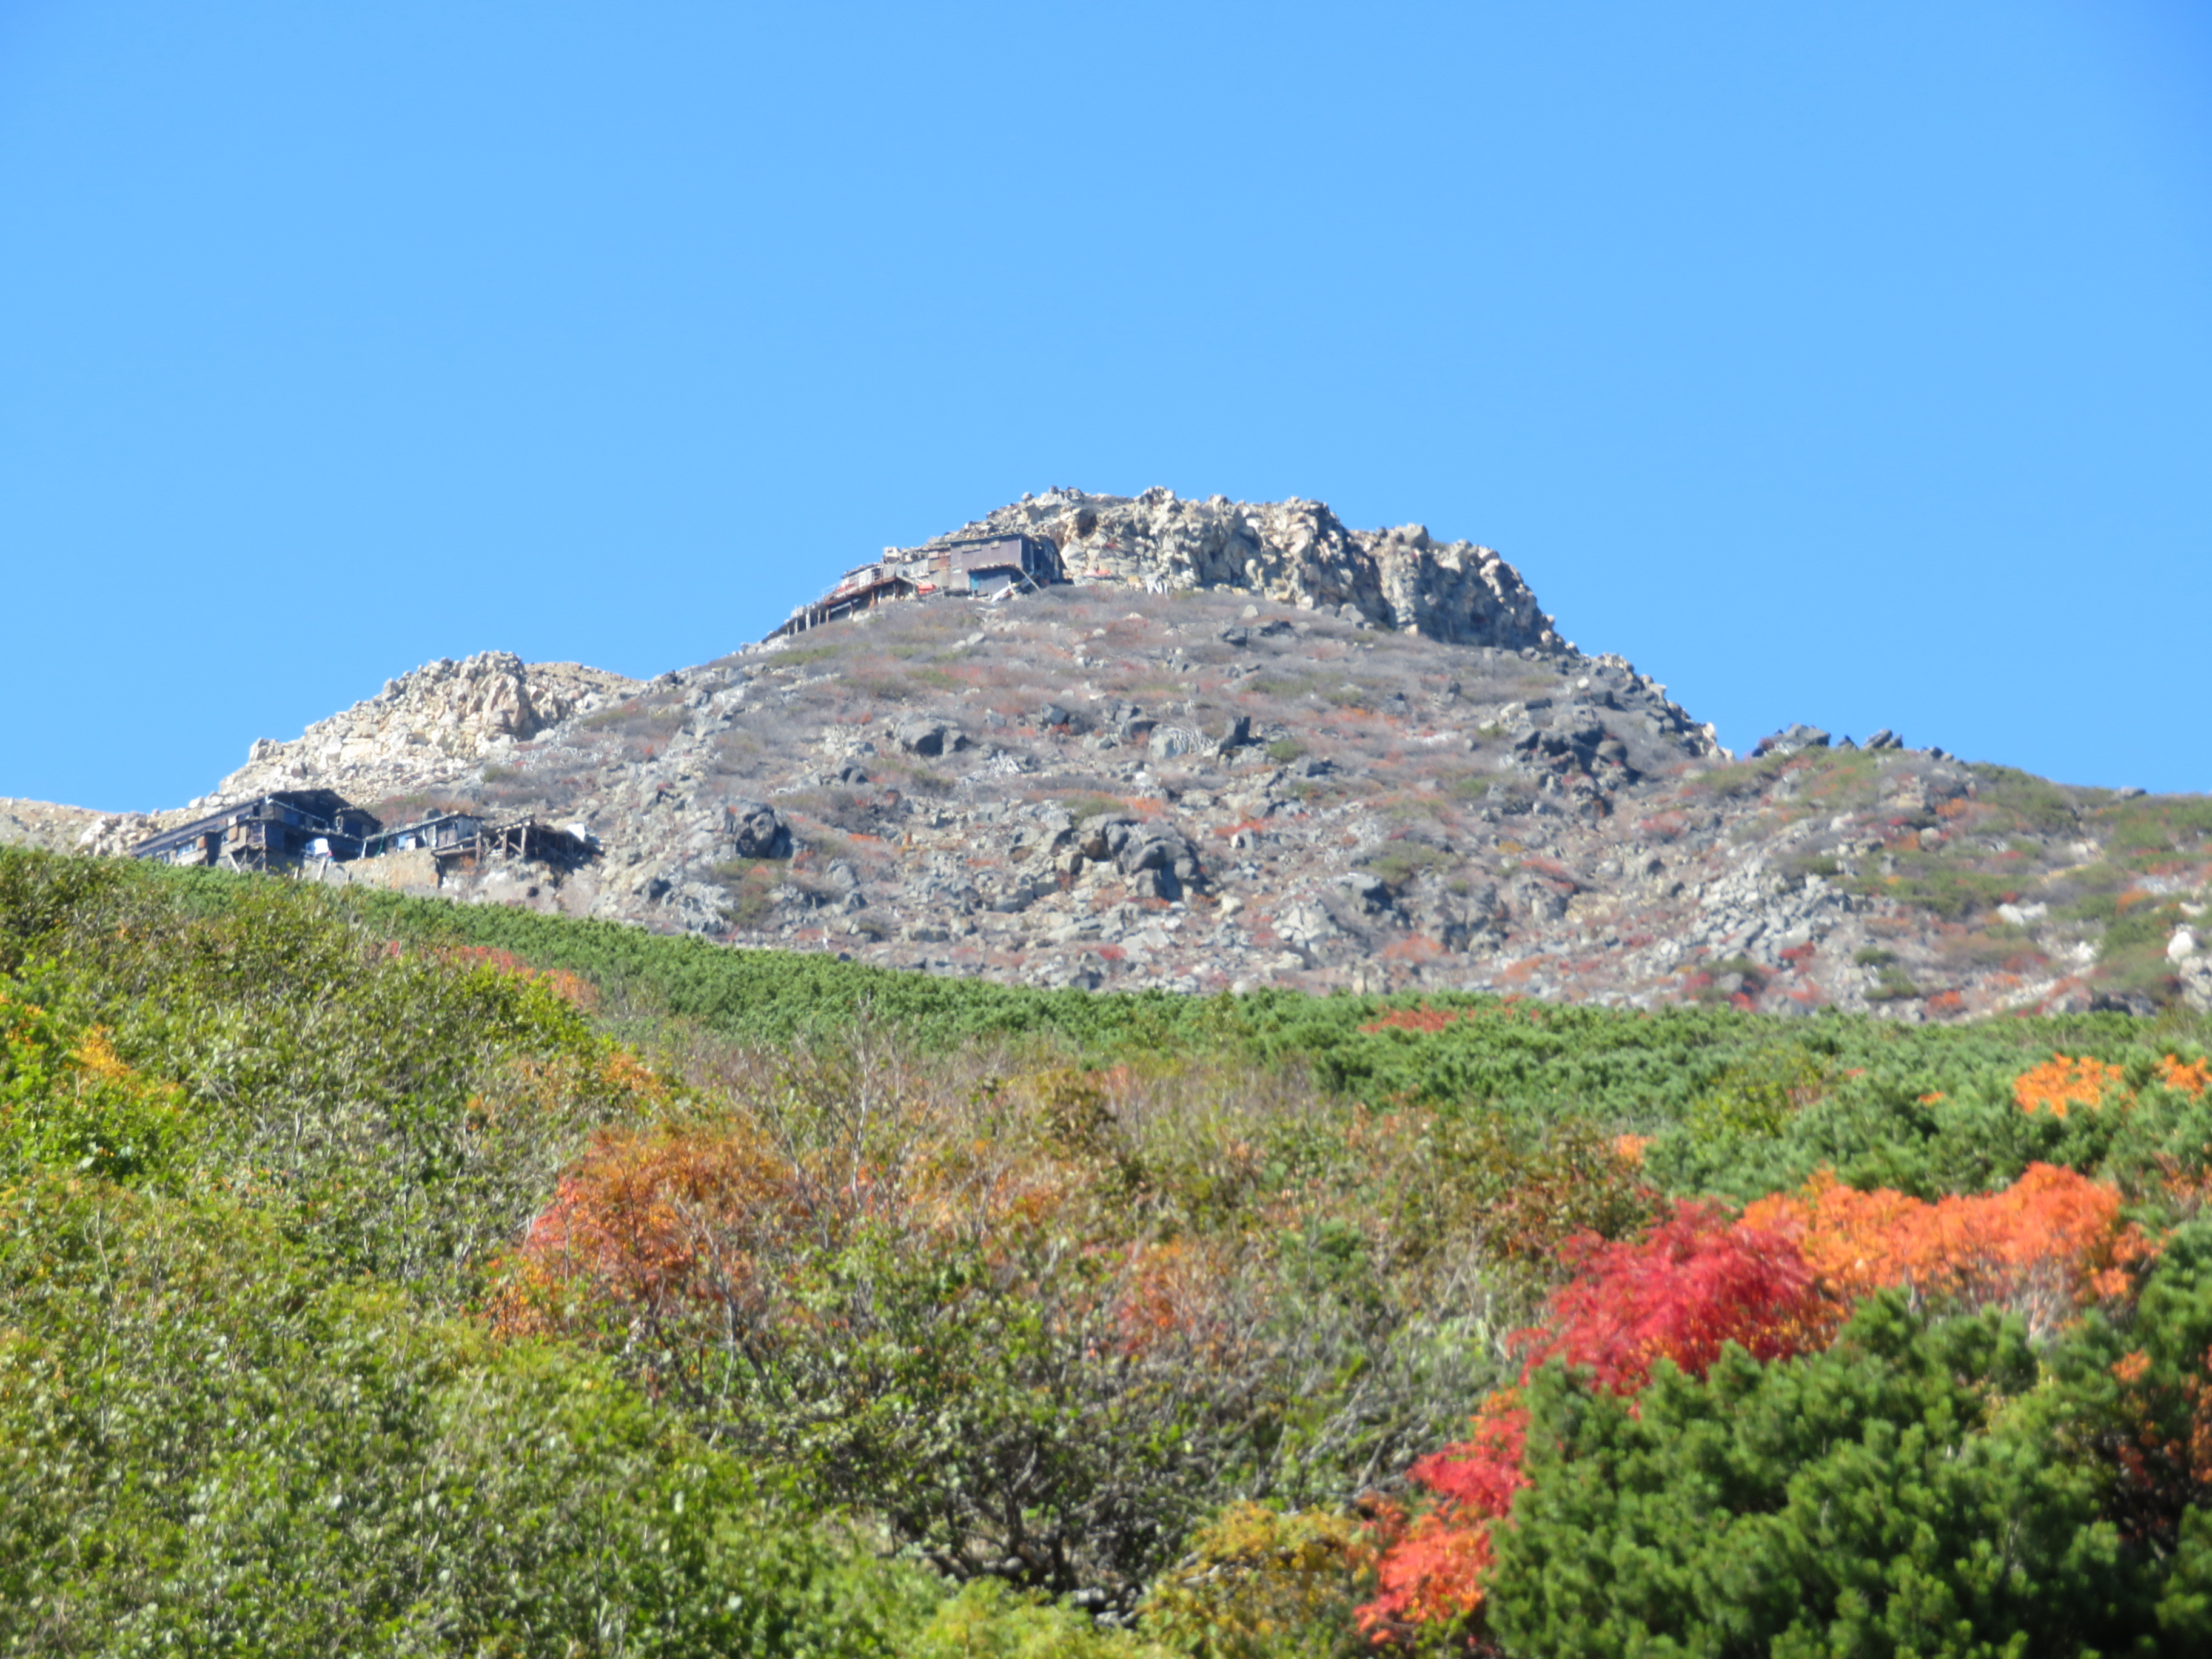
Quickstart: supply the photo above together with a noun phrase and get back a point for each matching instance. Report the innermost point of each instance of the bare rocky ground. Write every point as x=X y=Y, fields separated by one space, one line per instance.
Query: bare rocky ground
x=42 y=824
x=1251 y=747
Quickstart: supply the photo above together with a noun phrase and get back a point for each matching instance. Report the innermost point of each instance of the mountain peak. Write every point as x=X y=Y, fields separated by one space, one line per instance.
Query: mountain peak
x=1295 y=552
x=1242 y=745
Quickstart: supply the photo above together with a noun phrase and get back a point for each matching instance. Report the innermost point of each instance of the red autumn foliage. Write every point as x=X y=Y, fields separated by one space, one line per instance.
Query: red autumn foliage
x=1692 y=1284
x=1779 y=1280
x=1423 y=1018
x=1432 y=1570
x=1683 y=1291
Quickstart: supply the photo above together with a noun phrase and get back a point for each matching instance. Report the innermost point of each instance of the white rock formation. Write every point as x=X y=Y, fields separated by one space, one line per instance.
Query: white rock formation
x=1296 y=552
x=435 y=723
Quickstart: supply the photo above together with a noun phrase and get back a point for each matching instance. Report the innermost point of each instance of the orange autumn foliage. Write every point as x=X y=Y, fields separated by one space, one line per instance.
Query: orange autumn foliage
x=638 y=1216
x=2060 y=1083
x=95 y=1056
x=1170 y=1293
x=2048 y=1244
x=570 y=988
x=2188 y=1077
x=623 y=1072
x=679 y=1220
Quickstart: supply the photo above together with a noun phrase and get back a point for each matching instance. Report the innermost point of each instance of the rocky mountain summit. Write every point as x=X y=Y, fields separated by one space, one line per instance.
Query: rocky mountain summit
x=1293 y=552
x=1245 y=746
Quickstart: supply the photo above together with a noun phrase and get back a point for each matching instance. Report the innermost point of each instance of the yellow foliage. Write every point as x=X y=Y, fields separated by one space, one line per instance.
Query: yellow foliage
x=95 y=1056
x=989 y=1621
x=1261 y=1584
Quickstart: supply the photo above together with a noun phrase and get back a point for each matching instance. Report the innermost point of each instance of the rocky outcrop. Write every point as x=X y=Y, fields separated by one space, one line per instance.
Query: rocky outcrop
x=428 y=727
x=42 y=824
x=72 y=828
x=1157 y=857
x=1295 y=552
x=757 y=830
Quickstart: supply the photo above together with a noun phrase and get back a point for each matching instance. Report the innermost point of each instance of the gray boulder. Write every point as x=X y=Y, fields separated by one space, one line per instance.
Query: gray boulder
x=1136 y=847
x=1171 y=742
x=753 y=829
x=1150 y=853
x=920 y=737
x=1102 y=835
x=1369 y=891
x=1456 y=920
x=1539 y=900
x=1156 y=882
x=2123 y=1002
x=1056 y=826
x=1792 y=739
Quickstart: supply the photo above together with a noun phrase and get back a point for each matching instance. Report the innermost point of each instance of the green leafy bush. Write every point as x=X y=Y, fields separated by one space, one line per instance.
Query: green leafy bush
x=1893 y=1495
x=211 y=1447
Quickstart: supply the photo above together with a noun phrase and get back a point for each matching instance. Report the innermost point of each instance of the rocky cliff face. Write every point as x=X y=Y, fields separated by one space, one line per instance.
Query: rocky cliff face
x=1249 y=746
x=70 y=828
x=1294 y=553
x=427 y=729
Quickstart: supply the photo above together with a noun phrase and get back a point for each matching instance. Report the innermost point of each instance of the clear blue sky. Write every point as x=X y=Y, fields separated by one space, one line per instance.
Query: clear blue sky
x=1844 y=363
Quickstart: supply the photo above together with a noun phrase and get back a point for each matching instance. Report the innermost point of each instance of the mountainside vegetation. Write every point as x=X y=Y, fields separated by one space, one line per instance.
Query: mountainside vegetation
x=383 y=1275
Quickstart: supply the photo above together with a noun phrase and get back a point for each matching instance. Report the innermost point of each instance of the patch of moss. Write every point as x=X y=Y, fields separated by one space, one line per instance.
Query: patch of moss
x=1401 y=860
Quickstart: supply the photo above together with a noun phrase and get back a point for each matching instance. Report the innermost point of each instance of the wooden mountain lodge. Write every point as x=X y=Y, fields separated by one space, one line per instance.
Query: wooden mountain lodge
x=307 y=828
x=981 y=566
x=286 y=828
